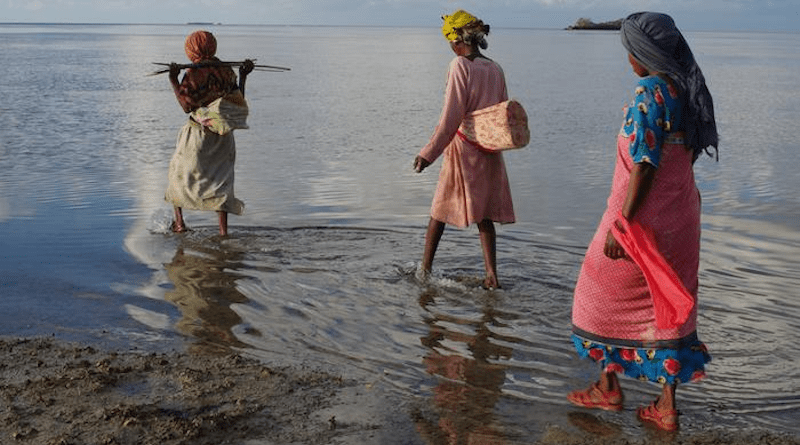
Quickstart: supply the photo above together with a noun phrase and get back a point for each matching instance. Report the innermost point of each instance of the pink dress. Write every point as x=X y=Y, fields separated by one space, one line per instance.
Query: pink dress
x=473 y=185
x=638 y=317
x=612 y=302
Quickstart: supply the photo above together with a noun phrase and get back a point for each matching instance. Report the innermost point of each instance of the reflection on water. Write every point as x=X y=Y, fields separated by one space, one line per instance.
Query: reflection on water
x=320 y=270
x=470 y=381
x=204 y=290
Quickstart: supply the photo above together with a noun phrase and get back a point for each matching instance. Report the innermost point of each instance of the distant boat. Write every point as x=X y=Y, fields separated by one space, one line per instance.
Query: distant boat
x=588 y=24
x=203 y=23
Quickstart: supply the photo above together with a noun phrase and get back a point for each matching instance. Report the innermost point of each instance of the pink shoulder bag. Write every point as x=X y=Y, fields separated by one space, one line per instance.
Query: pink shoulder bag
x=500 y=127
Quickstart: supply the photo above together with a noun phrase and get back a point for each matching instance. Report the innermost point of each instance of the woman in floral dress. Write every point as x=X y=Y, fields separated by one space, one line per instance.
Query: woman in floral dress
x=616 y=318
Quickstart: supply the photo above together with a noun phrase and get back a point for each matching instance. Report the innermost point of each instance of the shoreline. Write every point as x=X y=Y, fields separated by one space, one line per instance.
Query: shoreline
x=56 y=393
x=62 y=393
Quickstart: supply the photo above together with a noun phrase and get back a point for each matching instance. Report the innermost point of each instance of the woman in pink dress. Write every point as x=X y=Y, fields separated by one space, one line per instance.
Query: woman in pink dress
x=619 y=317
x=473 y=186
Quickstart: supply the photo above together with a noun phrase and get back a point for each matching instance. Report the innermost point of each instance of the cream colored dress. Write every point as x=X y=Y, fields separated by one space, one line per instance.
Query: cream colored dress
x=201 y=172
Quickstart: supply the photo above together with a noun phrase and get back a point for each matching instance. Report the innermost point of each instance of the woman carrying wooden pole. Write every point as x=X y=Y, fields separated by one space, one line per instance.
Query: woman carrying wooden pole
x=201 y=172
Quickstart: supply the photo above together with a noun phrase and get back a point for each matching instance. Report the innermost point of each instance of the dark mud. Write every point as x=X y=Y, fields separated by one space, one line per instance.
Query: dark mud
x=55 y=393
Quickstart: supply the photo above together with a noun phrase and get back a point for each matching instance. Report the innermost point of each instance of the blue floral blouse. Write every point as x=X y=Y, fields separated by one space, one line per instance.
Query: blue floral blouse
x=654 y=113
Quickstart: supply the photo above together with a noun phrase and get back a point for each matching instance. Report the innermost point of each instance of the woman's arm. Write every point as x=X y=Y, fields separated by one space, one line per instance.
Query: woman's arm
x=641 y=182
x=187 y=90
x=642 y=176
x=244 y=70
x=453 y=111
x=174 y=71
x=645 y=123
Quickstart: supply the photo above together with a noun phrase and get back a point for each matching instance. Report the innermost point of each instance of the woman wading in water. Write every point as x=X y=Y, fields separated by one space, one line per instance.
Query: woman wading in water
x=473 y=186
x=201 y=172
x=637 y=314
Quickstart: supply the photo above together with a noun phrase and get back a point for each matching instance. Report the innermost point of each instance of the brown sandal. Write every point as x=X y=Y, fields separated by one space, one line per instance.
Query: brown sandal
x=666 y=420
x=594 y=397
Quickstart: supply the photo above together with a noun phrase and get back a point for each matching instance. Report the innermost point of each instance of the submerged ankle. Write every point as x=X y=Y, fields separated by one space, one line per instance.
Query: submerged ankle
x=491 y=282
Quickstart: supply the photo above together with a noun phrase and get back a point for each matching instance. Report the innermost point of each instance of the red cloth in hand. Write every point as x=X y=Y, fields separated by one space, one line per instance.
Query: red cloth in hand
x=671 y=300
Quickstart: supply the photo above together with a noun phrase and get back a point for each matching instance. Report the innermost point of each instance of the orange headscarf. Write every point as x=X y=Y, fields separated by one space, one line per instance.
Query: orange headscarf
x=201 y=86
x=200 y=45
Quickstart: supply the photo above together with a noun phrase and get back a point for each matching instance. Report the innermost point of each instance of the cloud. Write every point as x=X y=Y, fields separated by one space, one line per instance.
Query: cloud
x=695 y=14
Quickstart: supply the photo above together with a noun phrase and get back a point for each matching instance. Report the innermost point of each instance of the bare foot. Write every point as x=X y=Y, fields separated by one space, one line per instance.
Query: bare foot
x=177 y=228
x=491 y=283
x=422 y=275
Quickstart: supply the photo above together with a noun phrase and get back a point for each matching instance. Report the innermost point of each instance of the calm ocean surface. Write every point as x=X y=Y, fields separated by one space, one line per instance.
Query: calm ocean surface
x=320 y=270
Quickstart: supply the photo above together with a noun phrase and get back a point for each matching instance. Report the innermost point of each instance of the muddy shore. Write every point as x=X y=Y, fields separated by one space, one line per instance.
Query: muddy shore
x=54 y=393
x=57 y=394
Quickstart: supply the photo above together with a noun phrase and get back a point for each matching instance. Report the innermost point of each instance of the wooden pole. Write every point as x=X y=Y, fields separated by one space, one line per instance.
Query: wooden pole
x=215 y=63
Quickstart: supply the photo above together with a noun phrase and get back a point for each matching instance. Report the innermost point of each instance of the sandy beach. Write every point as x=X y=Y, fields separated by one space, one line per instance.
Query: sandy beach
x=54 y=393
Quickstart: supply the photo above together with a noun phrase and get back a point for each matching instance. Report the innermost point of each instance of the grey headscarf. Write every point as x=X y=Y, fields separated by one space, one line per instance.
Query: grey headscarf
x=654 y=40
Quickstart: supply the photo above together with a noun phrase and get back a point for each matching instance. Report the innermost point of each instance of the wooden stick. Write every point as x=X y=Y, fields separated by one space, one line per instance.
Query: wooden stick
x=268 y=68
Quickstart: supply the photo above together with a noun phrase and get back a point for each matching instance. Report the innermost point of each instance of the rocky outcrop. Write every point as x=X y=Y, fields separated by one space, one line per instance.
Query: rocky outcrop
x=584 y=24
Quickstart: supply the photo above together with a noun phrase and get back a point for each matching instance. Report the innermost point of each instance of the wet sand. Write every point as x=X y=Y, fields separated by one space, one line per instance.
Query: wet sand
x=54 y=393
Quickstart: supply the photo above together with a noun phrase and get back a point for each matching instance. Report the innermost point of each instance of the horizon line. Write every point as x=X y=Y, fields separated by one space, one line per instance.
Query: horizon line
x=287 y=25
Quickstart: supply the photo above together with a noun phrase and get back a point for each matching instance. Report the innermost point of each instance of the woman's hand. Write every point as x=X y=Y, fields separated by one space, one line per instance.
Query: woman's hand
x=420 y=164
x=174 y=70
x=244 y=70
x=612 y=248
x=247 y=67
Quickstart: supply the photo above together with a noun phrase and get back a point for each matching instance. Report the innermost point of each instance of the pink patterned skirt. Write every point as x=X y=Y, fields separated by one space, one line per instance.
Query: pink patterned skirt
x=613 y=316
x=472 y=186
x=612 y=302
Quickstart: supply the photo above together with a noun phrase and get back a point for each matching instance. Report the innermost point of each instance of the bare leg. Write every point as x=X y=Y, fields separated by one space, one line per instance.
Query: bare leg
x=179 y=225
x=432 y=237
x=609 y=382
x=223 y=223
x=667 y=399
x=489 y=246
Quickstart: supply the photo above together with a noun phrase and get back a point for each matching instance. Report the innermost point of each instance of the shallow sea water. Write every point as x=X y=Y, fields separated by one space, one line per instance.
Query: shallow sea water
x=321 y=268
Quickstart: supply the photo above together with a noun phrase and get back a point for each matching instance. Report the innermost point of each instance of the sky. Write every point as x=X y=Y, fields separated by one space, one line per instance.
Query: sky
x=698 y=15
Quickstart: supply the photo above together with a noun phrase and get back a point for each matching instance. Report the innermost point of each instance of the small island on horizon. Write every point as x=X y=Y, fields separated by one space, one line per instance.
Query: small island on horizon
x=587 y=24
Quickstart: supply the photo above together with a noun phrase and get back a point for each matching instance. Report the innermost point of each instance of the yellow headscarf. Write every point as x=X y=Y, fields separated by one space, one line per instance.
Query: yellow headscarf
x=454 y=21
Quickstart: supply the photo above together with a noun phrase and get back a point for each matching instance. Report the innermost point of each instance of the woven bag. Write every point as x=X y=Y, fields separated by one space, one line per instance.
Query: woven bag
x=500 y=127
